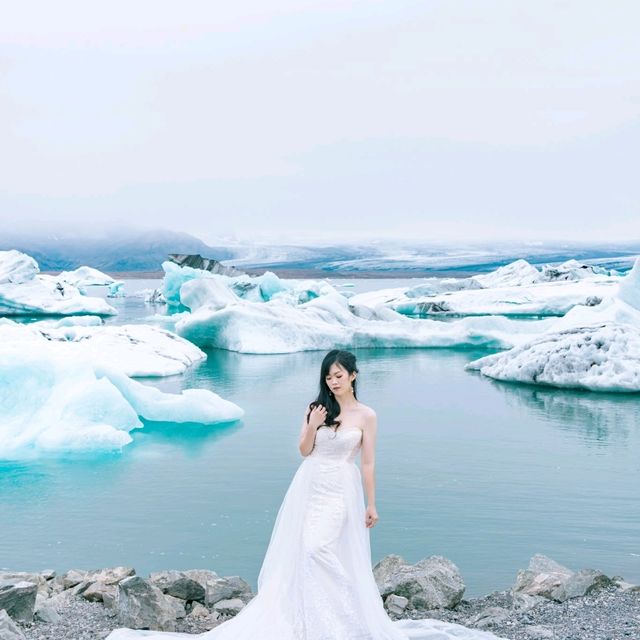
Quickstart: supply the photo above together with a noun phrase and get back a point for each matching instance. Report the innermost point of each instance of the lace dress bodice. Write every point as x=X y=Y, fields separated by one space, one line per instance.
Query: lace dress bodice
x=336 y=447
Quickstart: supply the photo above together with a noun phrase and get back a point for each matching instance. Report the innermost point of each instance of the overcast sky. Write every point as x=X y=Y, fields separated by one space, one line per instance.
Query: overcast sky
x=279 y=120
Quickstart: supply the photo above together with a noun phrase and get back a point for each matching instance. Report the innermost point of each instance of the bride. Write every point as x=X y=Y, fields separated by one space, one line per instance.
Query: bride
x=316 y=581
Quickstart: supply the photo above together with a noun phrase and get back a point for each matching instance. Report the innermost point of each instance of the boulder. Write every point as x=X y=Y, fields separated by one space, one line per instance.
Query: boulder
x=18 y=599
x=541 y=578
x=142 y=605
x=179 y=609
x=179 y=585
x=395 y=604
x=96 y=591
x=523 y=602
x=9 y=630
x=73 y=577
x=432 y=583
x=581 y=583
x=545 y=577
x=489 y=617
x=228 y=608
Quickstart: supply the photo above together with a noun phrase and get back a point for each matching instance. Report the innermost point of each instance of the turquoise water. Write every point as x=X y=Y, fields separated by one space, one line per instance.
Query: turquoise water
x=486 y=474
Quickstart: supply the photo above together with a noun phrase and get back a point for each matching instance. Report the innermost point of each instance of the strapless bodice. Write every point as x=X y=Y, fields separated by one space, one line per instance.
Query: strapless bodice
x=336 y=446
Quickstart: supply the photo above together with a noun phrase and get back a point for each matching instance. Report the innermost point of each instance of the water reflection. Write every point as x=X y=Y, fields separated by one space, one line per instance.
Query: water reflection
x=599 y=419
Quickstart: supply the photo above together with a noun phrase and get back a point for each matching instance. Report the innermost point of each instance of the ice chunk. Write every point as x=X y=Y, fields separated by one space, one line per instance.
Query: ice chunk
x=595 y=348
x=53 y=400
x=86 y=277
x=136 y=350
x=514 y=274
x=17 y=267
x=329 y=321
x=24 y=291
x=571 y=270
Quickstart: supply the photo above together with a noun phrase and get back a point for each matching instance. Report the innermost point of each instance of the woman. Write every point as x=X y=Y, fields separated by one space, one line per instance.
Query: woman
x=316 y=581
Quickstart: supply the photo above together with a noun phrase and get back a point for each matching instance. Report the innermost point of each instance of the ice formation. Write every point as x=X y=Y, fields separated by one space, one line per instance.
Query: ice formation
x=596 y=348
x=25 y=291
x=51 y=400
x=86 y=277
x=517 y=289
x=136 y=350
x=221 y=319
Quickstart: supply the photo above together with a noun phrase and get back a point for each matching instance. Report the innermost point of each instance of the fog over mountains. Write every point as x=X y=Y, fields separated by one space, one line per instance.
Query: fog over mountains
x=123 y=250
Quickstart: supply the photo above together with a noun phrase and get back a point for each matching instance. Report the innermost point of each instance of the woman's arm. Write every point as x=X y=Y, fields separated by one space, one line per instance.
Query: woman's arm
x=309 y=429
x=367 y=462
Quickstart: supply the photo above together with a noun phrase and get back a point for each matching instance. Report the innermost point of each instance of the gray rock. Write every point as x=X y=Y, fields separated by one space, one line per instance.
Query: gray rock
x=73 y=577
x=142 y=605
x=179 y=585
x=538 y=632
x=112 y=575
x=110 y=600
x=580 y=584
x=9 y=630
x=96 y=591
x=542 y=577
x=196 y=261
x=47 y=613
x=200 y=611
x=523 y=602
x=228 y=607
x=395 y=604
x=18 y=599
x=178 y=606
x=489 y=617
x=219 y=588
x=431 y=583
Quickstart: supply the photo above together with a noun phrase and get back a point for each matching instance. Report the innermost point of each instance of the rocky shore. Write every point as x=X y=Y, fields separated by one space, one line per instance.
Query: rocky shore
x=547 y=601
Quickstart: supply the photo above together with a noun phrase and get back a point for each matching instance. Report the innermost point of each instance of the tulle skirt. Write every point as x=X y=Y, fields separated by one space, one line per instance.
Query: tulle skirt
x=316 y=580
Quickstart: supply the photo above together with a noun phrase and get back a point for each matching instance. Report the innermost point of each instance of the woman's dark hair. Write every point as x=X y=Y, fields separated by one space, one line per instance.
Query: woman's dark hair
x=325 y=395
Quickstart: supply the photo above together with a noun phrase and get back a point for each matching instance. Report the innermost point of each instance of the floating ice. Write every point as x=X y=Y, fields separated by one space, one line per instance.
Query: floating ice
x=263 y=288
x=595 y=348
x=136 y=350
x=327 y=322
x=86 y=277
x=515 y=274
x=52 y=400
x=24 y=291
x=537 y=299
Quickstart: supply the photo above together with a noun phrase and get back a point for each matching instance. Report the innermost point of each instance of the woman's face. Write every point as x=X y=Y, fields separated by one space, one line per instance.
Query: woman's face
x=339 y=380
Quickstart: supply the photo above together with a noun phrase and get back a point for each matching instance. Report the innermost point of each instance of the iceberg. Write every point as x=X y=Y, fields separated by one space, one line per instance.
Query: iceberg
x=52 y=401
x=223 y=320
x=595 y=348
x=135 y=350
x=86 y=277
x=517 y=290
x=263 y=288
x=25 y=291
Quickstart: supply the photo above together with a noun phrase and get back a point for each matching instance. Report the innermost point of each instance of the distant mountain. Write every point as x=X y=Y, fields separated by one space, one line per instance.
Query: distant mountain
x=117 y=251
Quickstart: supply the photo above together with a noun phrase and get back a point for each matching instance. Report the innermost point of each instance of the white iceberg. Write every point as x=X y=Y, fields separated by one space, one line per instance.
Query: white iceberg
x=86 y=277
x=596 y=348
x=263 y=288
x=514 y=290
x=25 y=291
x=514 y=274
x=223 y=320
x=135 y=350
x=56 y=401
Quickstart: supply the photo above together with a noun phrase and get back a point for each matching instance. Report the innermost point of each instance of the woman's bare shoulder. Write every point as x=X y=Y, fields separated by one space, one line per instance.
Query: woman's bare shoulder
x=367 y=412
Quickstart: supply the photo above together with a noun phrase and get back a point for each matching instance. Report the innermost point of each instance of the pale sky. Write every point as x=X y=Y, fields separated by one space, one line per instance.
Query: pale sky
x=281 y=119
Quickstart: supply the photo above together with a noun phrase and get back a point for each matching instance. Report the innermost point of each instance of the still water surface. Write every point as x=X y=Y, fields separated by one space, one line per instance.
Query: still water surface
x=483 y=473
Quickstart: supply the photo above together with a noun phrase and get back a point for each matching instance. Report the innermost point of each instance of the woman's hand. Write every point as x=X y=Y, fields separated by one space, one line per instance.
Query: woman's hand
x=317 y=416
x=371 y=516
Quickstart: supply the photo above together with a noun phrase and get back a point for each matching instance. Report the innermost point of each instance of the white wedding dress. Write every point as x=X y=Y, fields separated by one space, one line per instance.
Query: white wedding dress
x=316 y=581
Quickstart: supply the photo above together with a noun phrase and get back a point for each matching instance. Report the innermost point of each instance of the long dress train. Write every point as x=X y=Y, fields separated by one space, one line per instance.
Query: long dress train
x=316 y=580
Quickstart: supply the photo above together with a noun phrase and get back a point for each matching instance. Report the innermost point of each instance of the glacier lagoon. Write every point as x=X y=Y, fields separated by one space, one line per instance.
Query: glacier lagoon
x=484 y=473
